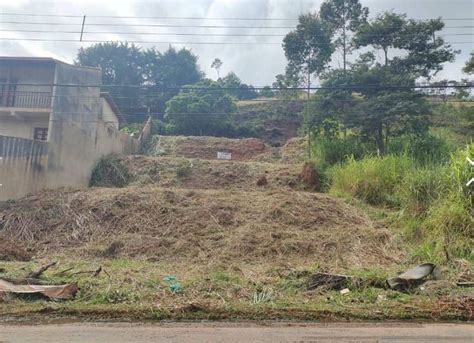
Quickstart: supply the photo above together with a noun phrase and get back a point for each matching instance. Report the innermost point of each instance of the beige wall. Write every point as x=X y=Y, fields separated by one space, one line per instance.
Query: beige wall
x=22 y=128
x=108 y=115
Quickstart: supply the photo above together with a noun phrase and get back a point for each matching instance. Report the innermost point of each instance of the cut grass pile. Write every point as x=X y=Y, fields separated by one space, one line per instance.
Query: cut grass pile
x=211 y=174
x=200 y=225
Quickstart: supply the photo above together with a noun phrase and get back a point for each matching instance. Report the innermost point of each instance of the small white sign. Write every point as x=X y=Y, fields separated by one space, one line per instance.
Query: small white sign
x=224 y=155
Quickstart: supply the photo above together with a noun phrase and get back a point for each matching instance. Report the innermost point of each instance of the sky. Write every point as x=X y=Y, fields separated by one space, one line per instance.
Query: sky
x=256 y=63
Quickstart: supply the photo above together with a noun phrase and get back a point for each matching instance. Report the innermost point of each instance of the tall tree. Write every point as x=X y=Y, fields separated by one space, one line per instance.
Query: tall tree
x=308 y=48
x=217 y=64
x=343 y=17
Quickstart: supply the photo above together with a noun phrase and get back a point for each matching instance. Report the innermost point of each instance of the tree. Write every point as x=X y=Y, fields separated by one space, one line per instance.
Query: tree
x=343 y=17
x=200 y=109
x=381 y=33
x=308 y=48
x=122 y=64
x=469 y=67
x=267 y=92
x=217 y=64
x=126 y=64
x=169 y=71
x=236 y=88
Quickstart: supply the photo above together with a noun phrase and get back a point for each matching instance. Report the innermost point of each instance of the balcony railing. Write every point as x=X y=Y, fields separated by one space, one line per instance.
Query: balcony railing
x=26 y=99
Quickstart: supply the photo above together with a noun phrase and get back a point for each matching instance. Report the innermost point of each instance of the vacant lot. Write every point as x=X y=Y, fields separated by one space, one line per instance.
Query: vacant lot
x=193 y=237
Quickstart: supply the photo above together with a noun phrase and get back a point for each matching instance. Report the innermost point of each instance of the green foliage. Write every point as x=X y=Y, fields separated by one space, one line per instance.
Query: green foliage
x=308 y=48
x=331 y=151
x=236 y=88
x=371 y=179
x=202 y=109
x=128 y=65
x=110 y=172
x=424 y=148
x=469 y=66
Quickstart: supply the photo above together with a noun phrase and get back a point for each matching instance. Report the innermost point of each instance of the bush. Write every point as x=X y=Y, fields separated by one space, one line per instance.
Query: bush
x=424 y=149
x=110 y=172
x=372 y=179
x=331 y=151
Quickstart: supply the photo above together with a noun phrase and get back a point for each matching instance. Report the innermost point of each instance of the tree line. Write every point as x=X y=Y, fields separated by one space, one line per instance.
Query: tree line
x=370 y=97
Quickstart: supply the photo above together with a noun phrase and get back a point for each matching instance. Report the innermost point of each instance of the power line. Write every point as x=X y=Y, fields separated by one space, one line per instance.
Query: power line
x=147 y=17
x=189 y=18
x=151 y=25
x=159 y=42
x=197 y=34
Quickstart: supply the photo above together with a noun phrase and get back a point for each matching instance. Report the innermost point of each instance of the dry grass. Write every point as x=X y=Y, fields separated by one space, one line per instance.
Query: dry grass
x=250 y=149
x=212 y=174
x=200 y=225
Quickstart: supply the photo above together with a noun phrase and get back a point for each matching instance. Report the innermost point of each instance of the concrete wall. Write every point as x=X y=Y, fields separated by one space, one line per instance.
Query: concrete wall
x=23 y=164
x=40 y=73
x=108 y=115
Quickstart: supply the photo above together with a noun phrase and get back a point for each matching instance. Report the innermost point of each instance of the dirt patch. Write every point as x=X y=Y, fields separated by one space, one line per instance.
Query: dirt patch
x=207 y=225
x=10 y=251
x=250 y=149
x=208 y=174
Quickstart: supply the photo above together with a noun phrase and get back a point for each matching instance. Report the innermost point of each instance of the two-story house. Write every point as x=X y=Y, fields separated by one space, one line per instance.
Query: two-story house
x=28 y=98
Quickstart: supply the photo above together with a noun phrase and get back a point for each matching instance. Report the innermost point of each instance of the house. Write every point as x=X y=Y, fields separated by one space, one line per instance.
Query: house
x=28 y=98
x=54 y=125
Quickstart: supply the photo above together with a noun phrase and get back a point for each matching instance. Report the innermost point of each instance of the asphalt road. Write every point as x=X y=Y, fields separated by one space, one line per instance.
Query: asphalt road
x=238 y=332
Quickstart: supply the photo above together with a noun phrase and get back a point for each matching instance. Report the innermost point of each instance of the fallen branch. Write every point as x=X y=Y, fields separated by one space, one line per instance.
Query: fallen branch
x=41 y=270
x=93 y=272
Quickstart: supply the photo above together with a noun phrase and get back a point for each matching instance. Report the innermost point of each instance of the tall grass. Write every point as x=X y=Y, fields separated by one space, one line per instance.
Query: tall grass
x=372 y=179
x=437 y=207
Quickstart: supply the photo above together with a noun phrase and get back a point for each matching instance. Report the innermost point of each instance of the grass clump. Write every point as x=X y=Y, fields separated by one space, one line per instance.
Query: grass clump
x=110 y=172
x=372 y=179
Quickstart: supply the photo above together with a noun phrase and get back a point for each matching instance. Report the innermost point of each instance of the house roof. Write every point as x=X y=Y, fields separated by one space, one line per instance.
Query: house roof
x=107 y=97
x=41 y=60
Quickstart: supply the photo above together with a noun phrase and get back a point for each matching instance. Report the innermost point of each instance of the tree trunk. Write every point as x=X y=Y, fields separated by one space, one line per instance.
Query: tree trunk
x=309 y=84
x=379 y=140
x=385 y=50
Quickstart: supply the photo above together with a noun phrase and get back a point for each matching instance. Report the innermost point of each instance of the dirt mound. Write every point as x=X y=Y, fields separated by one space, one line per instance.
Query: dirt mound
x=202 y=225
x=208 y=174
x=10 y=251
x=250 y=149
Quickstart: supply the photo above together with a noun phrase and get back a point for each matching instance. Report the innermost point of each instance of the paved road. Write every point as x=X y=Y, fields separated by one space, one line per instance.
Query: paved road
x=239 y=332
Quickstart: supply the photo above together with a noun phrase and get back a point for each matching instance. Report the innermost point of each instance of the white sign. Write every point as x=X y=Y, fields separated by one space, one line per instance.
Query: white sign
x=224 y=155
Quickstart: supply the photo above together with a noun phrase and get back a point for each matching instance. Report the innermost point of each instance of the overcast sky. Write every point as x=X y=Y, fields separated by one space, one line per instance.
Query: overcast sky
x=256 y=64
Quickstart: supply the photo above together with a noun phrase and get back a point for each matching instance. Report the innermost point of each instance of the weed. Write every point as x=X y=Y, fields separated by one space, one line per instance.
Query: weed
x=110 y=172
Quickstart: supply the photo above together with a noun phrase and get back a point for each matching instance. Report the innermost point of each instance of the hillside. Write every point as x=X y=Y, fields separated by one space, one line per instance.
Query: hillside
x=233 y=247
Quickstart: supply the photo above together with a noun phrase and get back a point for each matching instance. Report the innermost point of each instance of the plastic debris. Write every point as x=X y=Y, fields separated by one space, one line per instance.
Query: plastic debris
x=345 y=291
x=411 y=278
x=67 y=291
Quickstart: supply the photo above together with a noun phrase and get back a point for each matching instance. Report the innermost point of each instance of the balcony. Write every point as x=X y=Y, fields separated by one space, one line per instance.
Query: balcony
x=20 y=99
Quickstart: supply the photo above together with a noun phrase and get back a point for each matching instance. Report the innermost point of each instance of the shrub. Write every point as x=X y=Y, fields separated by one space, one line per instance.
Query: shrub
x=110 y=172
x=372 y=179
x=424 y=149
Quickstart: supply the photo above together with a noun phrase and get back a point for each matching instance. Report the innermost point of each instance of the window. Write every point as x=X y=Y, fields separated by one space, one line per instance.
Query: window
x=41 y=133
